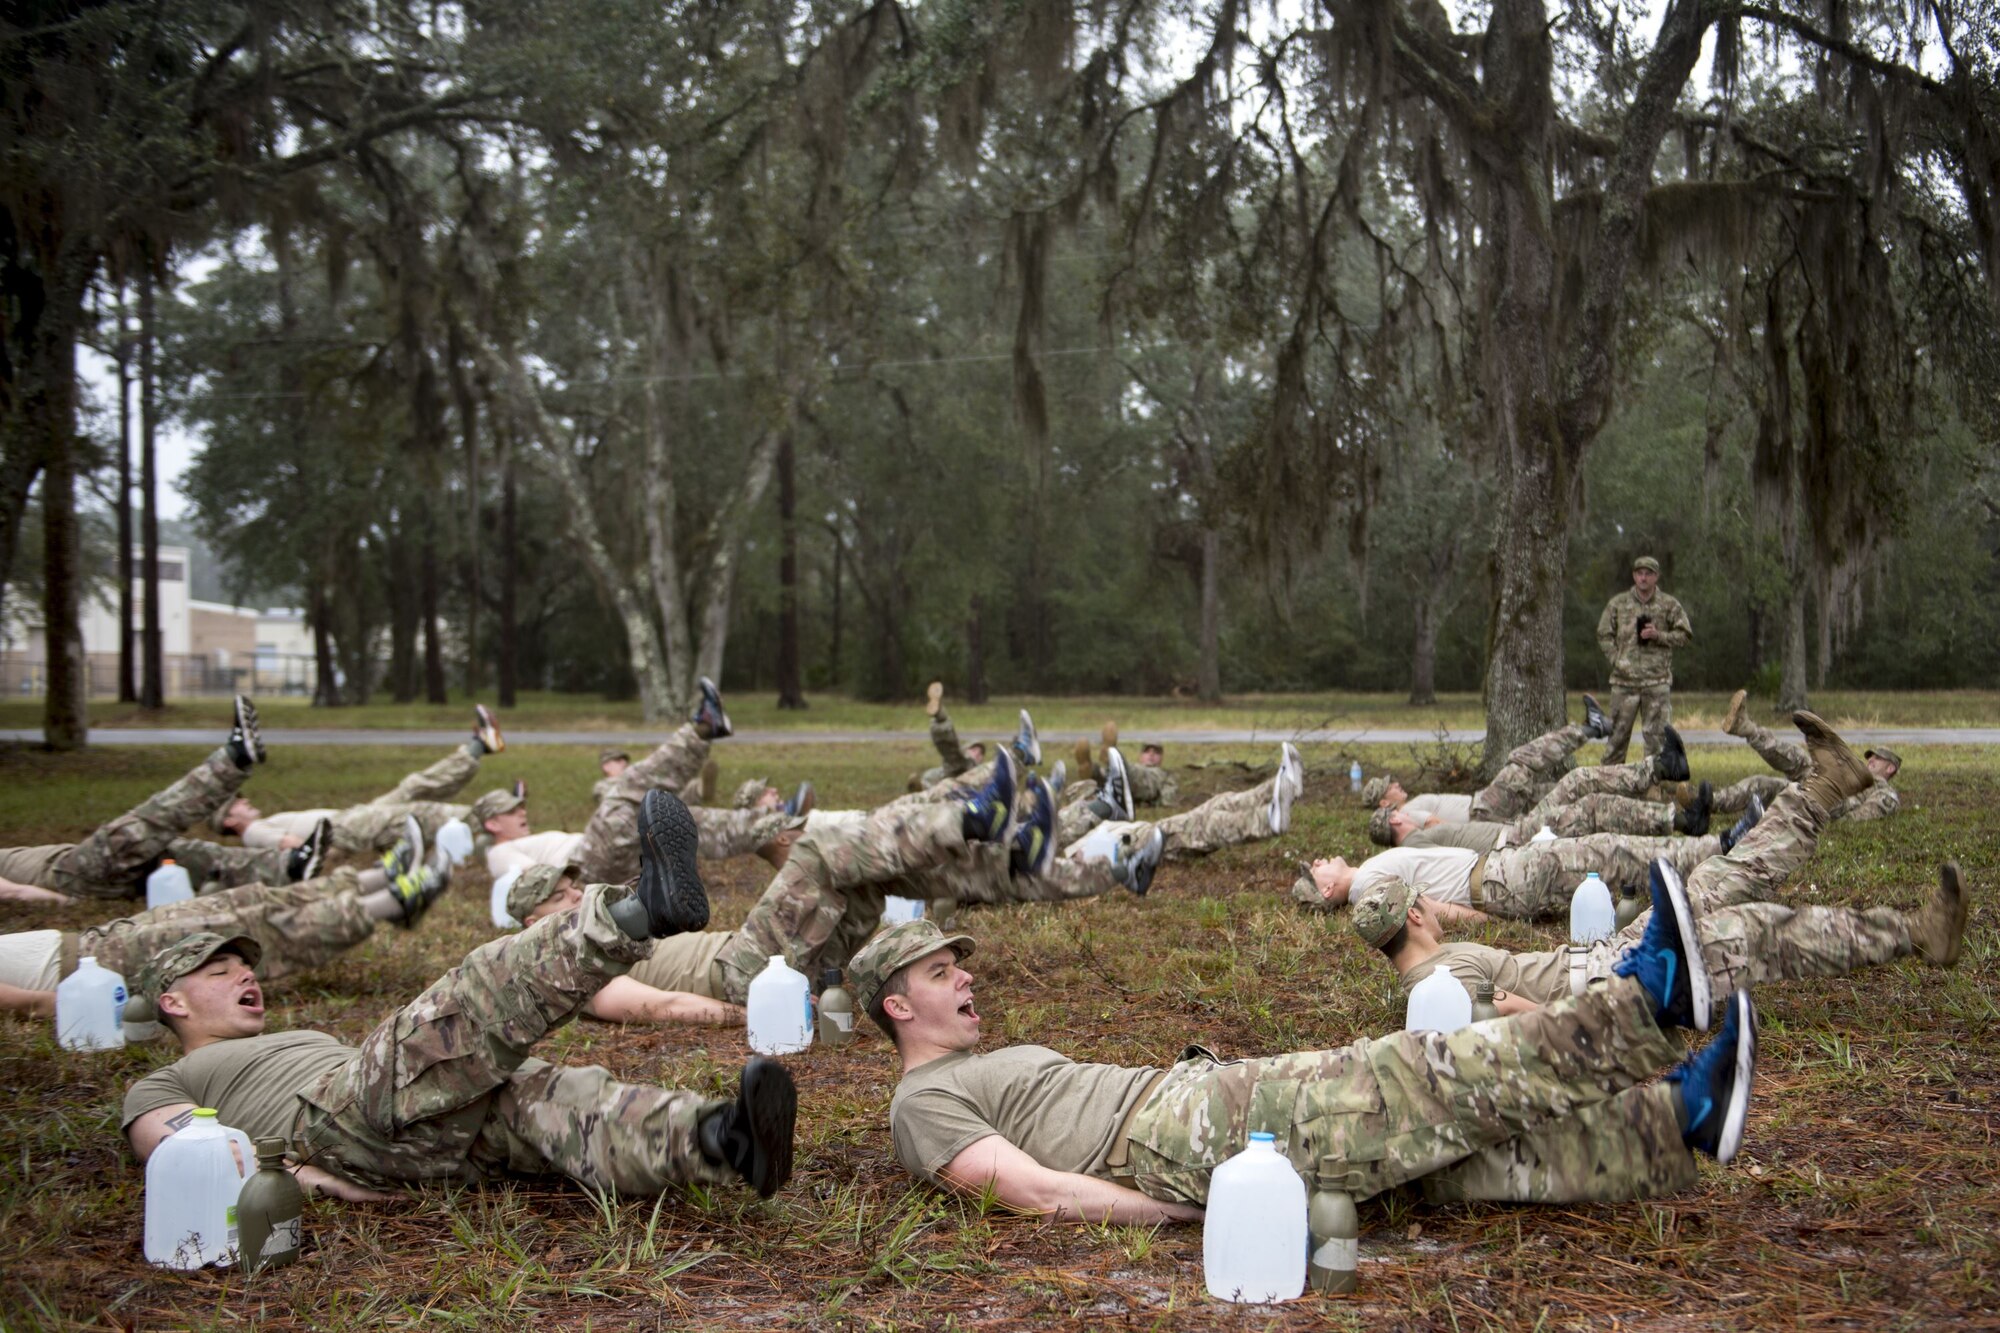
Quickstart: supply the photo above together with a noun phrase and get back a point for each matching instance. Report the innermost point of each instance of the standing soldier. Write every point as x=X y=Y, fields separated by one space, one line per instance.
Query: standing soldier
x=1638 y=632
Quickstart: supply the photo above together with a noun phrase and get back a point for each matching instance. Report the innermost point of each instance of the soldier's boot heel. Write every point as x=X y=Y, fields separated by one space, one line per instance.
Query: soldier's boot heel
x=670 y=898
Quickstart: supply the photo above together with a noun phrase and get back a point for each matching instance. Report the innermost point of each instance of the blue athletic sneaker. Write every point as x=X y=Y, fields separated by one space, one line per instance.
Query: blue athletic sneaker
x=1027 y=747
x=1034 y=845
x=802 y=800
x=709 y=714
x=989 y=812
x=1667 y=958
x=1058 y=778
x=1715 y=1082
x=1752 y=814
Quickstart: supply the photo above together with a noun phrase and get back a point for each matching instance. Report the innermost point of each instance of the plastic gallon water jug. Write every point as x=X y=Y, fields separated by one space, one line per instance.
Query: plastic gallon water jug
x=192 y=1182
x=1545 y=834
x=456 y=838
x=1591 y=915
x=90 y=1008
x=780 y=1009
x=896 y=910
x=1631 y=902
x=1253 y=1240
x=502 y=885
x=1438 y=1003
x=1354 y=776
x=168 y=884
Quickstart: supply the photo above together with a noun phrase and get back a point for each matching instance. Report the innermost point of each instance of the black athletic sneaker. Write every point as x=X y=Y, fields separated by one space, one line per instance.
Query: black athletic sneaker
x=246 y=744
x=1753 y=814
x=752 y=1135
x=670 y=892
x=709 y=717
x=1715 y=1082
x=1595 y=724
x=1693 y=821
x=1667 y=959
x=304 y=862
x=1671 y=763
x=408 y=853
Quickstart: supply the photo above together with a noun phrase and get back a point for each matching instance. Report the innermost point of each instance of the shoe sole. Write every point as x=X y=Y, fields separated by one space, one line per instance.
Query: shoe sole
x=413 y=832
x=1293 y=768
x=1154 y=851
x=1281 y=807
x=772 y=1100
x=1730 y=1141
x=1734 y=717
x=1700 y=997
x=1674 y=747
x=322 y=835
x=1031 y=752
x=711 y=695
x=667 y=831
x=1117 y=776
x=489 y=730
x=246 y=722
x=934 y=698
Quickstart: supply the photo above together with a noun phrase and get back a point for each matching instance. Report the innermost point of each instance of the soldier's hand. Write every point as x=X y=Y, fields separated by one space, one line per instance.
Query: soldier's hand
x=1649 y=633
x=315 y=1181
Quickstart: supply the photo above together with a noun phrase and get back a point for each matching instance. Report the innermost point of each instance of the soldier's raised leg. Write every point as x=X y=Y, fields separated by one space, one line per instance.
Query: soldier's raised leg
x=1537 y=879
x=1600 y=813
x=300 y=926
x=1527 y=773
x=1735 y=798
x=109 y=862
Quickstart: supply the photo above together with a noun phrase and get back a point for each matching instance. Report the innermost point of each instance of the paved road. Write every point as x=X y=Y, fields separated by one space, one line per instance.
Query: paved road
x=1359 y=736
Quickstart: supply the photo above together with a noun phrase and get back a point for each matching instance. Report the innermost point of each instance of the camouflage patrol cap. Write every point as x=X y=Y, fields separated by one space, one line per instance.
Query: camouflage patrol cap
x=751 y=792
x=893 y=950
x=1379 y=913
x=1884 y=752
x=1646 y=562
x=1306 y=894
x=610 y=752
x=1373 y=790
x=1379 y=831
x=534 y=886
x=158 y=974
x=496 y=802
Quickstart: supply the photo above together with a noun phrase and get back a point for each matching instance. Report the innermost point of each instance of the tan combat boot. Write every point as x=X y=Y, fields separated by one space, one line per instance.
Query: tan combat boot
x=1084 y=768
x=1108 y=734
x=934 y=698
x=711 y=777
x=1937 y=929
x=1837 y=772
x=1733 y=719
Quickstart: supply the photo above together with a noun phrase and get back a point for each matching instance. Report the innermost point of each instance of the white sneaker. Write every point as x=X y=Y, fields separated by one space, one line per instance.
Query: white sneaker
x=1292 y=768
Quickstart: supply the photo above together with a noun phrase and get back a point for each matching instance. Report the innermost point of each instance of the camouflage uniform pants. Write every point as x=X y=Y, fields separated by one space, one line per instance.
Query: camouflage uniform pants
x=376 y=826
x=1769 y=855
x=1628 y=702
x=827 y=900
x=1526 y=775
x=1735 y=798
x=1076 y=818
x=440 y=782
x=984 y=875
x=300 y=926
x=1228 y=820
x=444 y=1089
x=213 y=865
x=112 y=862
x=1790 y=758
x=609 y=852
x=1538 y=879
x=1540 y=1107
x=944 y=738
x=1600 y=812
x=1754 y=942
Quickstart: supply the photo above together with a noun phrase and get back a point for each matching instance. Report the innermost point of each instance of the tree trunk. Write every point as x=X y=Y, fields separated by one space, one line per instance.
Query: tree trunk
x=833 y=675
x=508 y=666
x=65 y=716
x=1208 y=669
x=1423 y=654
x=791 y=689
x=975 y=652
x=404 y=616
x=152 y=686
x=1792 y=661
x=326 y=668
x=468 y=425
x=434 y=686
x=128 y=665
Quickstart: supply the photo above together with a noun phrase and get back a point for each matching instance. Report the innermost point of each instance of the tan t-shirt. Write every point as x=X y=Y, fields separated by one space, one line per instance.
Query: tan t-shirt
x=252 y=1082
x=1451 y=809
x=1540 y=977
x=1478 y=836
x=31 y=959
x=554 y=848
x=1442 y=874
x=1062 y=1114
x=681 y=962
x=272 y=830
x=31 y=865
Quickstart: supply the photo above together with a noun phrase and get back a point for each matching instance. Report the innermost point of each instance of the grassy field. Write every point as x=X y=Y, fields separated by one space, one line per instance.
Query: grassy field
x=1279 y=714
x=1866 y=1196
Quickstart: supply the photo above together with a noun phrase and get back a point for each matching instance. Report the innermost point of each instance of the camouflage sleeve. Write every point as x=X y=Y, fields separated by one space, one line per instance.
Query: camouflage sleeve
x=1607 y=631
x=1677 y=632
x=1878 y=802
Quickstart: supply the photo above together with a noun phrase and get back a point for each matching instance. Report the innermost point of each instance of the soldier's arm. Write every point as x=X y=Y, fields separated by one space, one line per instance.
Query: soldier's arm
x=1607 y=630
x=624 y=1000
x=158 y=1125
x=1510 y=1003
x=1026 y=1186
x=1678 y=632
x=1457 y=912
x=37 y=1003
x=10 y=892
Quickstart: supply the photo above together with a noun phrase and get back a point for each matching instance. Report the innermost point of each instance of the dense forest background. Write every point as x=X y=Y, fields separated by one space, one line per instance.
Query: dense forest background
x=1192 y=347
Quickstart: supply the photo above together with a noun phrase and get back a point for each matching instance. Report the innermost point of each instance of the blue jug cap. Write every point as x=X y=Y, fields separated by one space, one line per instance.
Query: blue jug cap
x=1259 y=1136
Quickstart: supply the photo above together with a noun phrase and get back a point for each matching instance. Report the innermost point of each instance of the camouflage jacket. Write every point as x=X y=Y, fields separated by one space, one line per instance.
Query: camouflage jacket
x=1633 y=662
